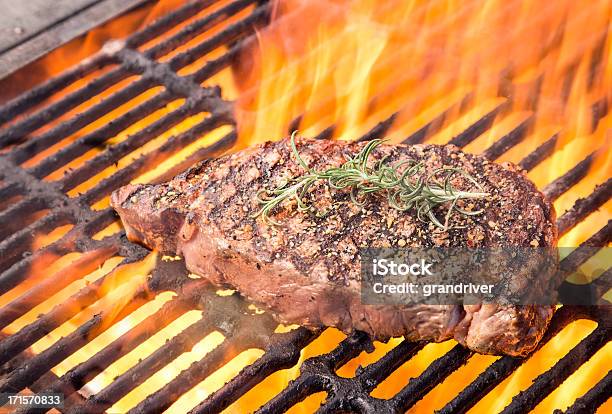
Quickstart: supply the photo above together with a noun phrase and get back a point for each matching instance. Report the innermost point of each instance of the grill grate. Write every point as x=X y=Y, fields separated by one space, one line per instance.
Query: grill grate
x=118 y=62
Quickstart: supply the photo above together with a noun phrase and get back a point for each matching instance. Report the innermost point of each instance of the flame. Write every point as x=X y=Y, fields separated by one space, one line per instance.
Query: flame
x=328 y=61
x=118 y=286
x=440 y=65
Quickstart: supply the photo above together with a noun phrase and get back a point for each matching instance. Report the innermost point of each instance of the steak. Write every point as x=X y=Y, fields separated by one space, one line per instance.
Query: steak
x=306 y=268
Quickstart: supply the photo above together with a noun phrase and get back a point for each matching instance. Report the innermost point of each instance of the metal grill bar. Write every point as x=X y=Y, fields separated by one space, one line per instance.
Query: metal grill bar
x=283 y=352
x=317 y=374
x=540 y=154
x=42 y=381
x=192 y=30
x=586 y=294
x=108 y=158
x=551 y=379
x=143 y=163
x=509 y=140
x=131 y=379
x=596 y=396
x=163 y=399
x=480 y=126
x=380 y=129
x=372 y=375
x=22 y=209
x=231 y=34
x=569 y=179
x=327 y=133
x=15 y=248
x=93 y=139
x=17 y=133
x=37 y=95
x=437 y=123
x=11 y=248
x=63 y=348
x=51 y=285
x=435 y=373
x=61 y=313
x=78 y=376
x=585 y=206
x=168 y=22
x=10 y=190
x=505 y=366
x=20 y=240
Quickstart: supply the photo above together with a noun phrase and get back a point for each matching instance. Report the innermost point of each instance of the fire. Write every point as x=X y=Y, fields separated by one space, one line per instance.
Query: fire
x=118 y=285
x=348 y=66
x=353 y=64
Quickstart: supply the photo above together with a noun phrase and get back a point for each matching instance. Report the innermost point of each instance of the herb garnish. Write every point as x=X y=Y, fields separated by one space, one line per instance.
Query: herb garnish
x=405 y=190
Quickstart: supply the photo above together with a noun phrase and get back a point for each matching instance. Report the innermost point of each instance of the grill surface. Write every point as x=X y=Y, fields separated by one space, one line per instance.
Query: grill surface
x=121 y=60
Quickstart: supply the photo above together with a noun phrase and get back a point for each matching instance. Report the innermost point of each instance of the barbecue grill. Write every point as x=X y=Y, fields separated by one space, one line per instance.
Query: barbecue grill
x=169 y=68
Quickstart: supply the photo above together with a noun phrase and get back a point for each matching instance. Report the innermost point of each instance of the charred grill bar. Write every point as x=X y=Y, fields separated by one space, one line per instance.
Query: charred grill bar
x=120 y=61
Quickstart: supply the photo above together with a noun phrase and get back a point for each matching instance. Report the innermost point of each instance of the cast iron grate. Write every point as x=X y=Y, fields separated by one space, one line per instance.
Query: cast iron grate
x=119 y=61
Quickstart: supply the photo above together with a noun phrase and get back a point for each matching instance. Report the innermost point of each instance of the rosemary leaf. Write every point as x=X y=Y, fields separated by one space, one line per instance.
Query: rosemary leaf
x=408 y=190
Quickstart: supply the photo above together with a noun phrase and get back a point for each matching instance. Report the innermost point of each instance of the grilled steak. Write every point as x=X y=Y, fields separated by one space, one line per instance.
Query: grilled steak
x=307 y=269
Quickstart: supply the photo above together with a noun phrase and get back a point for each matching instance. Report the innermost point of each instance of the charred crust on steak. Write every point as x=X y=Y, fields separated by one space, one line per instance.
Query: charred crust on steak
x=212 y=206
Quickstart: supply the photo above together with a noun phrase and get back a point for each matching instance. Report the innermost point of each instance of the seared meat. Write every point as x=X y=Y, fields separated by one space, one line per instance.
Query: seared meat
x=307 y=270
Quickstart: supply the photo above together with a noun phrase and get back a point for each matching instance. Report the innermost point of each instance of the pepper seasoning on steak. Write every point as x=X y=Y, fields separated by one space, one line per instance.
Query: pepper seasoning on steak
x=307 y=269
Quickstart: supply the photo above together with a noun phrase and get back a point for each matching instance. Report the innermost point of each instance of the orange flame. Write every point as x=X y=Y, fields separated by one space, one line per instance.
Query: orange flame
x=352 y=64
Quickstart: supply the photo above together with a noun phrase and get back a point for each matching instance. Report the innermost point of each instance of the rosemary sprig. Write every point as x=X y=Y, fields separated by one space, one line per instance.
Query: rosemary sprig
x=405 y=190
